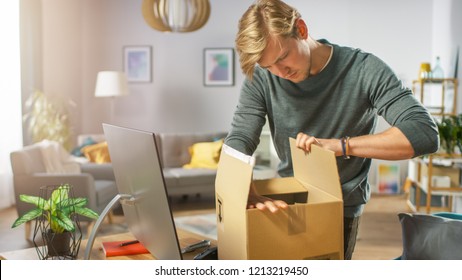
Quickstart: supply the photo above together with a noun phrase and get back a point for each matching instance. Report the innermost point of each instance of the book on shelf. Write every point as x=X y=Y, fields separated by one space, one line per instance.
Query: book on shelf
x=114 y=248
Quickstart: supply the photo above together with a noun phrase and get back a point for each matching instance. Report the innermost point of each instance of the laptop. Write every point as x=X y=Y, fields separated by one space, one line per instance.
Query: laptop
x=138 y=173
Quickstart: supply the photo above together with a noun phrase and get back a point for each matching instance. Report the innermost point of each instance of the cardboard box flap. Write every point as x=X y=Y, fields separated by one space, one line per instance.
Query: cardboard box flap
x=233 y=180
x=318 y=168
x=232 y=186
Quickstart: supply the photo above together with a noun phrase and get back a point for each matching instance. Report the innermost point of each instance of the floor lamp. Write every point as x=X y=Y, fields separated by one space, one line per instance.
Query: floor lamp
x=111 y=84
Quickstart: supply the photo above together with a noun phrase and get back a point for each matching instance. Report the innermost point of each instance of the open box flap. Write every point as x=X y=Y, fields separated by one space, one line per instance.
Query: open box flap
x=234 y=180
x=318 y=168
x=232 y=186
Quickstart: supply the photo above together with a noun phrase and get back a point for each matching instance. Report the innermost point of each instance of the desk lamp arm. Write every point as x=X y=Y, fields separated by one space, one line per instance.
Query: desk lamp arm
x=103 y=215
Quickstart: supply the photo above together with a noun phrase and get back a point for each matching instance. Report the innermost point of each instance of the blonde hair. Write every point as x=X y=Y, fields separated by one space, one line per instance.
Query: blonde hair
x=262 y=20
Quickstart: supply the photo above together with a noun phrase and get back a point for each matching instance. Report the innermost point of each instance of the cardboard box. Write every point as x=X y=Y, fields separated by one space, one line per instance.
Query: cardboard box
x=311 y=227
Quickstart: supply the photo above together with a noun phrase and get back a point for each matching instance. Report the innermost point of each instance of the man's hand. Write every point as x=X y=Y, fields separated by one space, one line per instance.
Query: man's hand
x=304 y=142
x=262 y=203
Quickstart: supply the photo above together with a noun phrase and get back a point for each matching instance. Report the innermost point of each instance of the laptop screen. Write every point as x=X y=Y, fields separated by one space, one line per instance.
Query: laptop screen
x=138 y=173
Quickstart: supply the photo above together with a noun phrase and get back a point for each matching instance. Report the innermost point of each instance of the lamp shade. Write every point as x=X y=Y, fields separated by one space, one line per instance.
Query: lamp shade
x=176 y=15
x=111 y=83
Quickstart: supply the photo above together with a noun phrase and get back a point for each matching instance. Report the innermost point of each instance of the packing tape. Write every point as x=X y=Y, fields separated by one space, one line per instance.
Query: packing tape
x=296 y=219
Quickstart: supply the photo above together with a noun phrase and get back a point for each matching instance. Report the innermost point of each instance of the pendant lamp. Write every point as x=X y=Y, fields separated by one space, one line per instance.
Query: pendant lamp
x=176 y=15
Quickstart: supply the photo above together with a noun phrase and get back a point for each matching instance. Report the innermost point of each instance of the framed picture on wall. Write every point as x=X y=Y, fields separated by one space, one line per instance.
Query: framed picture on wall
x=137 y=63
x=218 y=66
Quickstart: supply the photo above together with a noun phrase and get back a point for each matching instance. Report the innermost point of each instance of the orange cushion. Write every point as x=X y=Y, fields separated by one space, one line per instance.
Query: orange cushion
x=98 y=153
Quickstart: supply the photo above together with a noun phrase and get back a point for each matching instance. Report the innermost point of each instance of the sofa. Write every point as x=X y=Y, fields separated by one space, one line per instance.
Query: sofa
x=175 y=150
x=48 y=164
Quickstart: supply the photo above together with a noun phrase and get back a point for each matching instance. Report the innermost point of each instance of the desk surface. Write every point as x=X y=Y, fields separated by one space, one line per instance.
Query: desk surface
x=186 y=238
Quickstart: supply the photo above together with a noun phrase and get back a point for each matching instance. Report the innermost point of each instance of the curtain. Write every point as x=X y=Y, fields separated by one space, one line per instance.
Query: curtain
x=10 y=97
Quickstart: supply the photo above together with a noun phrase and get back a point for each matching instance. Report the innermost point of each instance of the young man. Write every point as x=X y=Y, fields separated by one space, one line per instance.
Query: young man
x=322 y=94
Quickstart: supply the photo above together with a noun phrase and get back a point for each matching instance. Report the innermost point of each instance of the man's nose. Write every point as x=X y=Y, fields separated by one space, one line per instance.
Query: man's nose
x=281 y=70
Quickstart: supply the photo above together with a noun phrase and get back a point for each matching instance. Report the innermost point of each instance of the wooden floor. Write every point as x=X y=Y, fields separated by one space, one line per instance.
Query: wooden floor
x=379 y=230
x=379 y=235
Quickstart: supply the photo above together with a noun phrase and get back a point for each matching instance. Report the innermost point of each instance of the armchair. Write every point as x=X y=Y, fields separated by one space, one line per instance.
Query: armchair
x=30 y=173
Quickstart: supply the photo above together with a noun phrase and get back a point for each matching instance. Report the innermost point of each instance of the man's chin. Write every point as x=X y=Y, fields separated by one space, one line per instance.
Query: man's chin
x=297 y=78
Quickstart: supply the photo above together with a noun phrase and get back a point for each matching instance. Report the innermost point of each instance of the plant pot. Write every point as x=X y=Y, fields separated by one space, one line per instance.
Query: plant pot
x=52 y=245
x=58 y=244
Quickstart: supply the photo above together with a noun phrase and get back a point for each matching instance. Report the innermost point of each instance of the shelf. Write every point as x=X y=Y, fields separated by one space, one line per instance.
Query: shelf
x=426 y=169
x=439 y=96
x=435 y=81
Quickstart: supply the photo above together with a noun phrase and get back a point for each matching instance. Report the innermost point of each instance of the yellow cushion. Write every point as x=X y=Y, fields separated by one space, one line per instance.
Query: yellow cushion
x=98 y=153
x=205 y=155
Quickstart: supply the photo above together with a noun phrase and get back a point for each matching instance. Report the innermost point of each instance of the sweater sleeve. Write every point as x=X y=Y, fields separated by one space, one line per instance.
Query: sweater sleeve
x=249 y=117
x=398 y=106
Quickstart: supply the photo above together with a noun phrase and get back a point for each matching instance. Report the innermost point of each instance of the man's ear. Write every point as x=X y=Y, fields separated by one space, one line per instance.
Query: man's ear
x=302 y=29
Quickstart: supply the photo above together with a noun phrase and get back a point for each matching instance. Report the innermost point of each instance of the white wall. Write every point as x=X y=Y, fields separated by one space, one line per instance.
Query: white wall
x=447 y=36
x=176 y=100
x=66 y=42
x=83 y=37
x=10 y=87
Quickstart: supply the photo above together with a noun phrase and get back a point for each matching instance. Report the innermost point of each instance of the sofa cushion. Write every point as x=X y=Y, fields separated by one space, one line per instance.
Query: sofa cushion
x=77 y=151
x=197 y=176
x=97 y=153
x=170 y=178
x=105 y=191
x=431 y=237
x=174 y=147
x=98 y=171
x=205 y=155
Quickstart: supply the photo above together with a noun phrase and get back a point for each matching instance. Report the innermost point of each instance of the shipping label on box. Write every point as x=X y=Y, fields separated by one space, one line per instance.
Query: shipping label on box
x=311 y=227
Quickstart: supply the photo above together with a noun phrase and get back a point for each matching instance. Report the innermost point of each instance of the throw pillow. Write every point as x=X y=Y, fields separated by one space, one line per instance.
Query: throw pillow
x=97 y=153
x=205 y=155
x=77 y=151
x=430 y=237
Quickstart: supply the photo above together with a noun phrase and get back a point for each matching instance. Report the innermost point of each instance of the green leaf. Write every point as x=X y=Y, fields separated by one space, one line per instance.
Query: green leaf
x=67 y=223
x=61 y=222
x=60 y=194
x=87 y=212
x=37 y=201
x=73 y=202
x=29 y=216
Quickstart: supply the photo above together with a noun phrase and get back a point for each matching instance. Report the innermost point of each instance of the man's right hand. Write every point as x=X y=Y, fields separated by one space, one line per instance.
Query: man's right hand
x=262 y=203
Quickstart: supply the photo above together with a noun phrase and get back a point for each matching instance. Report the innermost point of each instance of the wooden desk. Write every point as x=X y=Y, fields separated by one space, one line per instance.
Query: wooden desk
x=186 y=238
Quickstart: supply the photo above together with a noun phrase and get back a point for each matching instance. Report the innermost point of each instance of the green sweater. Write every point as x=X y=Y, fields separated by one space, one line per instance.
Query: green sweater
x=345 y=99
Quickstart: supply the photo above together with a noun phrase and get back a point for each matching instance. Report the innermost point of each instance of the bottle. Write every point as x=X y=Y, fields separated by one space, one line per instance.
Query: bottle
x=437 y=72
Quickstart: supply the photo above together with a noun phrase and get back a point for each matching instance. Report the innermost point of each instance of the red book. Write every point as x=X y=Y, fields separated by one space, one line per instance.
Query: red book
x=113 y=248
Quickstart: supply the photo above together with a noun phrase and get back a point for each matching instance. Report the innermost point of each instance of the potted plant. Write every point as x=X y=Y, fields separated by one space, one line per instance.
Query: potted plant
x=56 y=218
x=450 y=130
x=48 y=118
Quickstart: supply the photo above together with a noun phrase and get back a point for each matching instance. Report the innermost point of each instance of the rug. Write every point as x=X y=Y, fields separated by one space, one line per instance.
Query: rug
x=205 y=225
